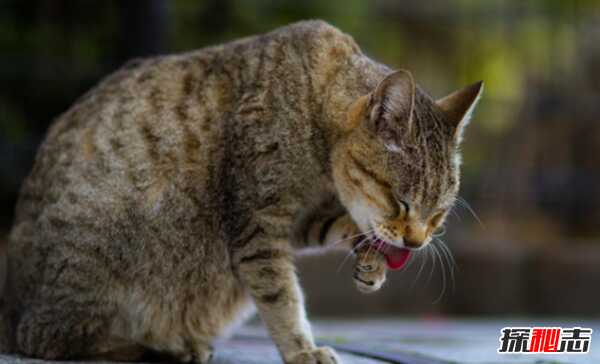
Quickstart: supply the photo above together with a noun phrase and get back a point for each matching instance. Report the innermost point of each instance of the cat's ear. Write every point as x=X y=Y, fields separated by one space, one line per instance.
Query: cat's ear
x=392 y=107
x=459 y=106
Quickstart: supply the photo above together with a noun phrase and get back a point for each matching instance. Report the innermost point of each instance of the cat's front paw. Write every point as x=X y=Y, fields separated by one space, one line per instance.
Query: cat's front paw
x=322 y=355
x=369 y=271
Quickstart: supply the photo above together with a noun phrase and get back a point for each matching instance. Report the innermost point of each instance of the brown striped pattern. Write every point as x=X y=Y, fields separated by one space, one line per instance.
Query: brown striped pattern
x=177 y=189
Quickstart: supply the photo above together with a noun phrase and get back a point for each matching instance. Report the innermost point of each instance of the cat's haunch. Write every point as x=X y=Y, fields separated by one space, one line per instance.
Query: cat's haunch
x=168 y=202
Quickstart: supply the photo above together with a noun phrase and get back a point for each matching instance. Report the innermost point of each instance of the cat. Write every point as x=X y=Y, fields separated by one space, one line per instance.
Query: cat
x=169 y=201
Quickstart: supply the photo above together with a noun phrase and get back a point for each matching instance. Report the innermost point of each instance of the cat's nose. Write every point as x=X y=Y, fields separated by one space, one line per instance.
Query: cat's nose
x=413 y=243
x=415 y=235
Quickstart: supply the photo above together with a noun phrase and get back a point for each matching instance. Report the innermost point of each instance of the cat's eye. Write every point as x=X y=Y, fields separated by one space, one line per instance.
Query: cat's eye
x=437 y=218
x=404 y=208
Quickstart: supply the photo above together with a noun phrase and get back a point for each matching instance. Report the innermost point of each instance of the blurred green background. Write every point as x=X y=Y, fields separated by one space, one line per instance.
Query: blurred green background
x=531 y=156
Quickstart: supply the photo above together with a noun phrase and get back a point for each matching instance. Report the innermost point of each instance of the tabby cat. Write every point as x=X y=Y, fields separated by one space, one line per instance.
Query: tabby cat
x=170 y=200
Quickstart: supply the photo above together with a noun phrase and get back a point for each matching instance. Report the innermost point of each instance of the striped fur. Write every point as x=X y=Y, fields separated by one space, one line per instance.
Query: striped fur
x=171 y=198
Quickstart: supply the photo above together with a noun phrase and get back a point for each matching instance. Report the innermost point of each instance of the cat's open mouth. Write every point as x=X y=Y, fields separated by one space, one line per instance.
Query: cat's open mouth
x=396 y=257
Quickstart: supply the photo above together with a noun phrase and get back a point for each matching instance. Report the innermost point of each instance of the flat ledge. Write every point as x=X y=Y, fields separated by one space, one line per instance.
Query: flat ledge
x=431 y=341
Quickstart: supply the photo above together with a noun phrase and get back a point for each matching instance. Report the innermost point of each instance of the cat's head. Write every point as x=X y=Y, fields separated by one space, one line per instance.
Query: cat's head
x=397 y=169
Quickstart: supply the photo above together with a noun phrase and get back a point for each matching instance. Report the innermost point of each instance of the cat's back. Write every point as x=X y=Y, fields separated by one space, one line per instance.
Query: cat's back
x=161 y=118
x=172 y=148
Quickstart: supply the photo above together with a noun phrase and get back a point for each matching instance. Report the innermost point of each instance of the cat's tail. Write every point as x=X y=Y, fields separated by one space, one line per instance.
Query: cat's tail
x=5 y=329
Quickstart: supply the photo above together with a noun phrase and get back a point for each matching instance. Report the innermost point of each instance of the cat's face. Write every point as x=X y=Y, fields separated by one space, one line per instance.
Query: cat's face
x=397 y=170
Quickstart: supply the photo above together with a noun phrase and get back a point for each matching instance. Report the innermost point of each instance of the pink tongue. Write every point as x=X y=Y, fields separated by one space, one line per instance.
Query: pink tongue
x=396 y=257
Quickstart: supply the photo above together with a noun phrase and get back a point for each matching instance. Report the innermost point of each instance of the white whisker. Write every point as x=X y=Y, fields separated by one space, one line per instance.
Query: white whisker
x=352 y=251
x=352 y=237
x=466 y=205
x=454 y=212
x=407 y=266
x=442 y=268
x=423 y=257
x=368 y=251
x=450 y=260
x=429 y=250
x=442 y=233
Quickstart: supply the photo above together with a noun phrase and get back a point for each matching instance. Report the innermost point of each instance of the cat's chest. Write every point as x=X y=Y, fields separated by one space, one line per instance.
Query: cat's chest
x=281 y=216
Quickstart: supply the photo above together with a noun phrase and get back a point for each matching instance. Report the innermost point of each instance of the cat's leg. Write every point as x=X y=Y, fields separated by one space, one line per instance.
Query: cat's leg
x=117 y=350
x=326 y=230
x=370 y=269
x=58 y=332
x=65 y=312
x=265 y=267
x=324 y=225
x=340 y=234
x=338 y=231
